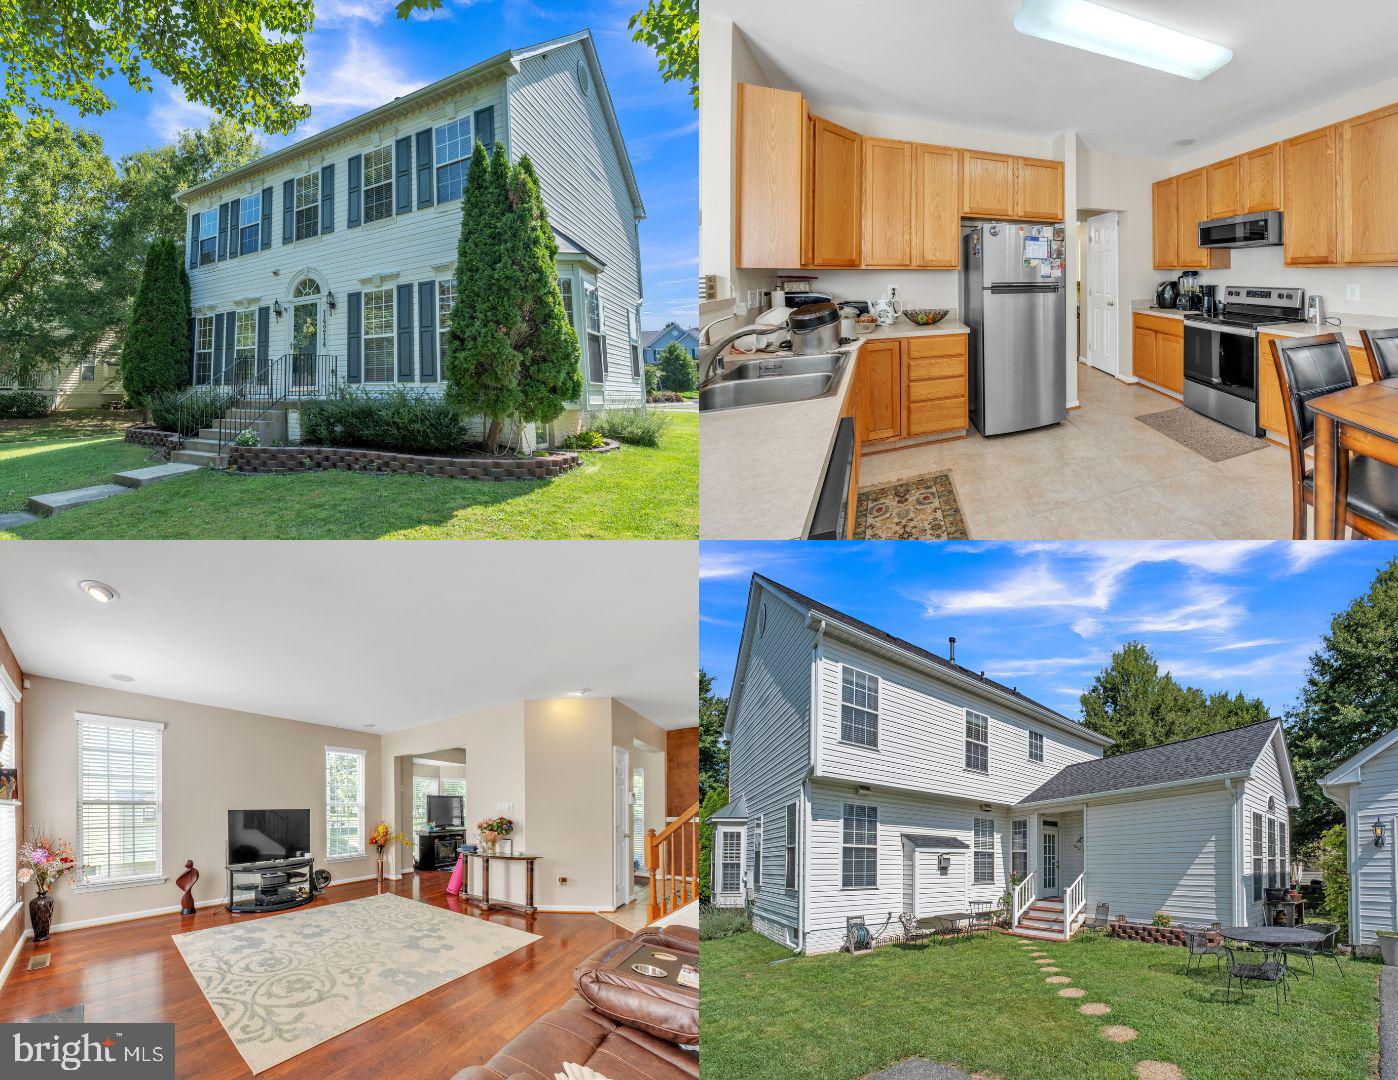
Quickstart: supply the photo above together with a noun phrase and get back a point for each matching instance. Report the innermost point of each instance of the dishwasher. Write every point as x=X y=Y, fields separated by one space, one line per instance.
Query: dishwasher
x=831 y=517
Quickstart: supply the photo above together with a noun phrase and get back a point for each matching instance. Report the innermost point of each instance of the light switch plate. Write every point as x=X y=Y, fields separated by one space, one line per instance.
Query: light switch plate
x=503 y=807
x=1351 y=292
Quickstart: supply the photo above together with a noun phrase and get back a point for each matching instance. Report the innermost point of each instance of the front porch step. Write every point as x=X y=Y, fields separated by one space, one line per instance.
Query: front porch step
x=56 y=502
x=195 y=457
x=1038 y=935
x=153 y=474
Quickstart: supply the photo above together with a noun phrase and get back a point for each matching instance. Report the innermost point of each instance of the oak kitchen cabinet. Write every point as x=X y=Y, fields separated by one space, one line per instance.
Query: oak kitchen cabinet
x=881 y=389
x=1178 y=204
x=936 y=207
x=1261 y=182
x=831 y=204
x=888 y=203
x=1225 y=196
x=1310 y=235
x=913 y=386
x=1005 y=186
x=768 y=163
x=1368 y=175
x=1157 y=350
x=1165 y=233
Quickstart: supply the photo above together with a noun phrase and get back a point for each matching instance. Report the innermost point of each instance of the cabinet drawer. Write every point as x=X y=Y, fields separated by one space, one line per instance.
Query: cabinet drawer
x=936 y=345
x=1161 y=324
x=937 y=389
x=936 y=367
x=928 y=417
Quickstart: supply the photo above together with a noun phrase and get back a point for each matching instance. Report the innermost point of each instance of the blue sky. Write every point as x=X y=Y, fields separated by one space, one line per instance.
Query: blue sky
x=360 y=56
x=1045 y=617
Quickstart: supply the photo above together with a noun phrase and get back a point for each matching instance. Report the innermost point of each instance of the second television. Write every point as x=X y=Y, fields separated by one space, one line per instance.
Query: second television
x=446 y=811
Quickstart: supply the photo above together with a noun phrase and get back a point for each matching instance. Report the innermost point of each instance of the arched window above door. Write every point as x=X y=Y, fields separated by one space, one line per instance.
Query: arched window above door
x=306 y=287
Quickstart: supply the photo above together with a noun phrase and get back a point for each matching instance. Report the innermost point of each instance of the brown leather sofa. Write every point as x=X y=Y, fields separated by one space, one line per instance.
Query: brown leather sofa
x=648 y=1032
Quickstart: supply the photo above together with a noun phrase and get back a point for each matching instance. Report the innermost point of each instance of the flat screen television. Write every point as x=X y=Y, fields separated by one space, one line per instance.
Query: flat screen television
x=265 y=835
x=446 y=811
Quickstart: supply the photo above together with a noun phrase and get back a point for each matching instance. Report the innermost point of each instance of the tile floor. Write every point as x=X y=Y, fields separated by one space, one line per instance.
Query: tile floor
x=1102 y=475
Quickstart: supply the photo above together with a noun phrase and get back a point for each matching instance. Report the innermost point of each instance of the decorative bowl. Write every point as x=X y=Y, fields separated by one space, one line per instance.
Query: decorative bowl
x=925 y=316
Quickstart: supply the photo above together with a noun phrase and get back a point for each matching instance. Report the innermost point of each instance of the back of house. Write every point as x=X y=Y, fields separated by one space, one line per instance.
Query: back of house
x=1366 y=788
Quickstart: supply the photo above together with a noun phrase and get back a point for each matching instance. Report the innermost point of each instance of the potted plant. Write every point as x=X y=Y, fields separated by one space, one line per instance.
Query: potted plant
x=492 y=829
x=45 y=862
x=381 y=837
x=1388 y=946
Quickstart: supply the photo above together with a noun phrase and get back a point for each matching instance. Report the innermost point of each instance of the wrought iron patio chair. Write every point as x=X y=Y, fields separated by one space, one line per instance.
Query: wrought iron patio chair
x=1324 y=947
x=1197 y=938
x=982 y=914
x=912 y=931
x=1243 y=966
x=1100 y=920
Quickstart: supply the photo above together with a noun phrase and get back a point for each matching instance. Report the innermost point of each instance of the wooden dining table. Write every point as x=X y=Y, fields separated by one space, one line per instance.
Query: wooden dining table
x=1361 y=420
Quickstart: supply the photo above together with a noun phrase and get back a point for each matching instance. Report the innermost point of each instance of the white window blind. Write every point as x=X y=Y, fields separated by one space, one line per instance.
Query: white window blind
x=344 y=803
x=9 y=854
x=455 y=787
x=423 y=786
x=119 y=799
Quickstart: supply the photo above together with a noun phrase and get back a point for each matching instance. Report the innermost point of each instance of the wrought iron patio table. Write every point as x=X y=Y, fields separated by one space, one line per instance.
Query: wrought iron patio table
x=959 y=922
x=1272 y=938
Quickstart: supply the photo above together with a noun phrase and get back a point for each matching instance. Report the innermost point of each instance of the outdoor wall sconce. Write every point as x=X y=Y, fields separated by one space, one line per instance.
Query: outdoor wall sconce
x=944 y=862
x=1378 y=833
x=277 y=308
x=330 y=299
x=1077 y=844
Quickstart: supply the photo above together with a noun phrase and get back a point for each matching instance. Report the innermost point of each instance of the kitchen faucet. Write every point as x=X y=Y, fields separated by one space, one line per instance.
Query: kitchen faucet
x=711 y=363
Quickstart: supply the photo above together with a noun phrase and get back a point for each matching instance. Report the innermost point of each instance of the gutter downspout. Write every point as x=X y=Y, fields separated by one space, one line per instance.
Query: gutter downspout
x=813 y=726
x=1235 y=817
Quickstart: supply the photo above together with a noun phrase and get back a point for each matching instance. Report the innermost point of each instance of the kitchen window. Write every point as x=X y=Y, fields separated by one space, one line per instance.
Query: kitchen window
x=596 y=362
x=208 y=236
x=307 y=204
x=757 y=856
x=454 y=148
x=203 y=350
x=250 y=224
x=1036 y=746
x=983 y=842
x=1019 y=848
x=731 y=862
x=120 y=807
x=1257 y=857
x=859 y=851
x=378 y=184
x=791 y=846
x=344 y=803
x=378 y=336
x=859 y=707
x=977 y=742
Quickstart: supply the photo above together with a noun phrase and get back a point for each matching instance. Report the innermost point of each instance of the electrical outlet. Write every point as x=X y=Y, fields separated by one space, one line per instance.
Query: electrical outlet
x=563 y=881
x=1351 y=292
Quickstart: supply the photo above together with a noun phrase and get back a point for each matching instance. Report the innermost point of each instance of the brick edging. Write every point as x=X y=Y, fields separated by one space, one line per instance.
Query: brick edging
x=280 y=459
x=150 y=435
x=1159 y=935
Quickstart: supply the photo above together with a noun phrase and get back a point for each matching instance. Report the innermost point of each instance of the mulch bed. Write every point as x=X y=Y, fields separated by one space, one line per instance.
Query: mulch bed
x=606 y=448
x=283 y=459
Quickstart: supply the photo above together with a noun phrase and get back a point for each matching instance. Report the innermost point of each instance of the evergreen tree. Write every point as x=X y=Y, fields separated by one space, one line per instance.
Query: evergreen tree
x=155 y=353
x=483 y=366
x=1349 y=700
x=678 y=371
x=712 y=802
x=713 y=754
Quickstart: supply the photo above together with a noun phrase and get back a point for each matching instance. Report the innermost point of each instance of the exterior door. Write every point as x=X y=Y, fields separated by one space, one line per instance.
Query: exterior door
x=1051 y=886
x=621 y=821
x=1102 y=315
x=305 y=338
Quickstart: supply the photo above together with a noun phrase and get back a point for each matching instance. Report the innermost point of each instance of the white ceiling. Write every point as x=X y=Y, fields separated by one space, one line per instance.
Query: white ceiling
x=962 y=62
x=351 y=633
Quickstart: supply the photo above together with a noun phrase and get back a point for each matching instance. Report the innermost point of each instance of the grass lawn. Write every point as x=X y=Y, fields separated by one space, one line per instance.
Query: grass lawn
x=62 y=451
x=983 y=1005
x=634 y=493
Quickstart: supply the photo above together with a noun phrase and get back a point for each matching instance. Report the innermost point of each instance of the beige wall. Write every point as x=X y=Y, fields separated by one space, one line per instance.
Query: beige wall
x=214 y=760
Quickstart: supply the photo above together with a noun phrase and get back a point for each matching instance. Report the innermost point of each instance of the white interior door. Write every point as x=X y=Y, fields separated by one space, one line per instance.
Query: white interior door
x=621 y=821
x=1103 y=318
x=1051 y=887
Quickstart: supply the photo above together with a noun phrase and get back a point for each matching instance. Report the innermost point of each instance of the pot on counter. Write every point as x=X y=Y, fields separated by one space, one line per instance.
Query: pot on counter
x=814 y=328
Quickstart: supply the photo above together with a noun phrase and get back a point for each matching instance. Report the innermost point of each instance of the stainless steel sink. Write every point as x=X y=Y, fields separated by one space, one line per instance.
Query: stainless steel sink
x=737 y=393
x=779 y=366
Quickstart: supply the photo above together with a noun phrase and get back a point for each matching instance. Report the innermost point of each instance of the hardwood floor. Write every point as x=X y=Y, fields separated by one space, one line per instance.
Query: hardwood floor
x=133 y=972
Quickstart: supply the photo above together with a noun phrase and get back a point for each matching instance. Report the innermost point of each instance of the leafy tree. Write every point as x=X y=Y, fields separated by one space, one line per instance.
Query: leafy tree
x=155 y=356
x=1350 y=697
x=1132 y=702
x=713 y=754
x=652 y=379
x=56 y=185
x=678 y=371
x=1334 y=873
x=243 y=60
x=671 y=28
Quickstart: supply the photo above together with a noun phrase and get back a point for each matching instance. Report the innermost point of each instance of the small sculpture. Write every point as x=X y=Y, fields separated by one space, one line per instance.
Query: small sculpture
x=186 y=882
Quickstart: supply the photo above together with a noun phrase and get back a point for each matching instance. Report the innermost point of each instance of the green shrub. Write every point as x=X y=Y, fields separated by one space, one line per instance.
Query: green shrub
x=1334 y=872
x=584 y=440
x=407 y=421
x=1160 y=919
x=23 y=405
x=678 y=370
x=246 y=437
x=186 y=411
x=716 y=922
x=640 y=426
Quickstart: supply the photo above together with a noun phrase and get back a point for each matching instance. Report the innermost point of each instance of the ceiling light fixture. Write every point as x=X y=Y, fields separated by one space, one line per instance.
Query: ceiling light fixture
x=99 y=591
x=1085 y=25
x=580 y=693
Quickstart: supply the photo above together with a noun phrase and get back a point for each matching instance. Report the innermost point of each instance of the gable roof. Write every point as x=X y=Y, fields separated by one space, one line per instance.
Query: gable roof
x=734 y=811
x=1203 y=757
x=651 y=336
x=1349 y=771
x=567 y=246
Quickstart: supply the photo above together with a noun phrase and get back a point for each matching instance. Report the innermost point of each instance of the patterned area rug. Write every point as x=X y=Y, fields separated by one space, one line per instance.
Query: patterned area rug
x=1207 y=438
x=283 y=983
x=918 y=508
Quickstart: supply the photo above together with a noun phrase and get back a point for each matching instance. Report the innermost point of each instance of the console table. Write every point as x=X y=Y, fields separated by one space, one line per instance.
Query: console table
x=483 y=897
x=271 y=886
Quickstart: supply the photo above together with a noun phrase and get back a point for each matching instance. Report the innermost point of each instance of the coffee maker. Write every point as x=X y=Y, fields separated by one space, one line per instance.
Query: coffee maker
x=1208 y=300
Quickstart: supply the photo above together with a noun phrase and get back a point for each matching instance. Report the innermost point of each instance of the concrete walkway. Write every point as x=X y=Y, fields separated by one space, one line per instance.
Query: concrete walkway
x=55 y=502
x=1388 y=1023
x=16 y=519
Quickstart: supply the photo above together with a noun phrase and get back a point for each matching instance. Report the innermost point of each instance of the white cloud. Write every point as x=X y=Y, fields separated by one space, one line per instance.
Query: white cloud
x=360 y=76
x=1205 y=608
x=644 y=148
x=1087 y=626
x=723 y=564
x=1288 y=662
x=1256 y=643
x=1000 y=669
x=330 y=13
x=1038 y=586
x=1302 y=555
x=171 y=112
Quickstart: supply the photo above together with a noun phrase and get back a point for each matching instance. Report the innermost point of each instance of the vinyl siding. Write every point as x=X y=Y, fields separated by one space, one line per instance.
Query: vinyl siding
x=1264 y=784
x=922 y=732
x=566 y=134
x=1170 y=853
x=1372 y=868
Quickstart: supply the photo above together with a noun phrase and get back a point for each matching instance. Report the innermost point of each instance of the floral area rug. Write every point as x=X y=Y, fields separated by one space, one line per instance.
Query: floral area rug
x=917 y=508
x=280 y=984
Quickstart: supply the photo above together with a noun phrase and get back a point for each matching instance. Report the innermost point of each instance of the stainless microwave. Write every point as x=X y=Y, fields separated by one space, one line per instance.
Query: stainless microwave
x=1262 y=229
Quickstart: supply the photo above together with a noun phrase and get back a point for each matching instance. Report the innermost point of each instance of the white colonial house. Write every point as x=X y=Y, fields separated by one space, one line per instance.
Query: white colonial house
x=334 y=256
x=1366 y=788
x=869 y=777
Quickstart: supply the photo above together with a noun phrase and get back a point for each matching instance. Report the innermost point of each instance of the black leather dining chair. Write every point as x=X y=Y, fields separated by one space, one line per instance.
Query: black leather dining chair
x=1309 y=368
x=1381 y=346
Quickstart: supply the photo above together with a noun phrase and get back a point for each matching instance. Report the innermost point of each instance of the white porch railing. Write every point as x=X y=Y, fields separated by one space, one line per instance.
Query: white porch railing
x=1074 y=901
x=1023 y=897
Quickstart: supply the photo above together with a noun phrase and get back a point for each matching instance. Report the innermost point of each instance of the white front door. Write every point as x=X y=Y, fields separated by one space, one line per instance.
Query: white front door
x=1102 y=316
x=1050 y=864
x=621 y=820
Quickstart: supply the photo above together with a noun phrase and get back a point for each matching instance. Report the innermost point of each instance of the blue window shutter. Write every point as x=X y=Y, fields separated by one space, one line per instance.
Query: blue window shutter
x=218 y=348
x=288 y=211
x=424 y=168
x=263 y=336
x=193 y=251
x=356 y=195
x=327 y=198
x=222 y=231
x=427 y=330
x=405 y=333
x=235 y=228
x=230 y=356
x=266 y=218
x=353 y=339
x=403 y=178
x=485 y=126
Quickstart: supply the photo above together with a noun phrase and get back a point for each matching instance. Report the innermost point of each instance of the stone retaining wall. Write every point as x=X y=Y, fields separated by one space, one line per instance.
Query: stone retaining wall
x=1160 y=935
x=147 y=435
x=279 y=459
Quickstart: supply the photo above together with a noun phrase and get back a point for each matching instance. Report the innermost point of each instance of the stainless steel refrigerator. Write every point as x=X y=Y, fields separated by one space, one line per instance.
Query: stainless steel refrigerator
x=1012 y=298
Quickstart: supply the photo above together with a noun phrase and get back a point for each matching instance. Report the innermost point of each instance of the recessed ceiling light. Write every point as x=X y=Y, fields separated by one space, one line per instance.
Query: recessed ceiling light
x=580 y=693
x=370 y=725
x=99 y=591
x=1085 y=25
x=123 y=678
x=1185 y=142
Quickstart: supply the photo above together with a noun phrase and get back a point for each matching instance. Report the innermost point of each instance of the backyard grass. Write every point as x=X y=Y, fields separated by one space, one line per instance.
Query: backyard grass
x=983 y=1005
x=62 y=451
x=634 y=493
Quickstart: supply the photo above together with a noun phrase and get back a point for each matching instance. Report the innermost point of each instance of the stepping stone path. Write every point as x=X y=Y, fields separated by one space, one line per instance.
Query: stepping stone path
x=1072 y=992
x=1158 y=1070
x=1044 y=960
x=16 y=519
x=56 y=502
x=1050 y=970
x=1058 y=980
x=153 y=473
x=1094 y=1008
x=1118 y=1033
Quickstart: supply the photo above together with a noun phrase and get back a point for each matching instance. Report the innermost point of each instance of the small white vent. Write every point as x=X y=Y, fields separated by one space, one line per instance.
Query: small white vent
x=584 y=81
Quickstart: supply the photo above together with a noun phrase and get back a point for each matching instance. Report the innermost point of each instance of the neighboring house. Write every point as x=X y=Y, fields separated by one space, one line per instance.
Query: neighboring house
x=1366 y=788
x=656 y=340
x=868 y=776
x=335 y=255
x=87 y=384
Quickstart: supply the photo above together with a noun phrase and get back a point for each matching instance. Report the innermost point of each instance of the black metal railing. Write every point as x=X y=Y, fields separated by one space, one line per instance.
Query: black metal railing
x=254 y=388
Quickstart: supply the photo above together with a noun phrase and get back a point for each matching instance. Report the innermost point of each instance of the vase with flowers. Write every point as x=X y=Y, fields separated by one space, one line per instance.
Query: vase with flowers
x=492 y=829
x=382 y=837
x=45 y=862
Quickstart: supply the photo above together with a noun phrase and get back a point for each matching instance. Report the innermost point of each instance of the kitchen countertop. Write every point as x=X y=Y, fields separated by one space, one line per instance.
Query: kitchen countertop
x=760 y=468
x=1348 y=326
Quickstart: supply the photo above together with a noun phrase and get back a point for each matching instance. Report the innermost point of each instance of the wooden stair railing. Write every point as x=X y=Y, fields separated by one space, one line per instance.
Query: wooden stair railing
x=672 y=861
